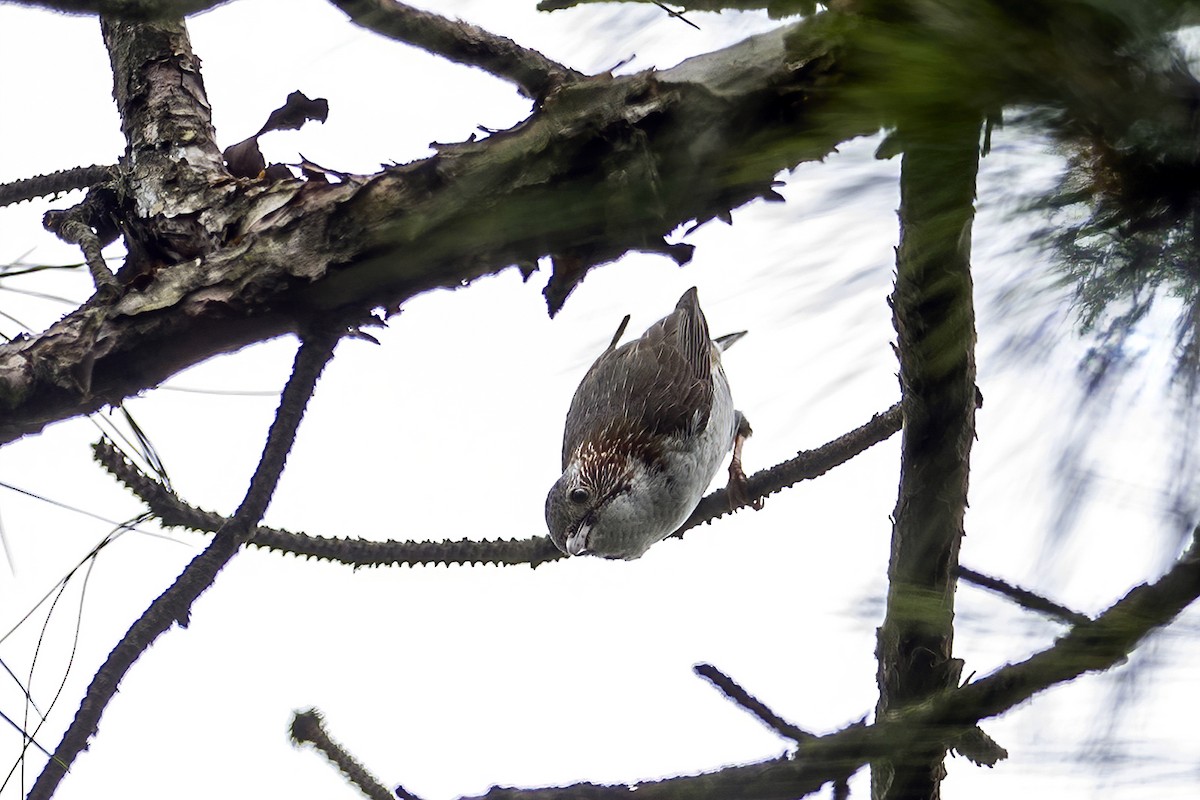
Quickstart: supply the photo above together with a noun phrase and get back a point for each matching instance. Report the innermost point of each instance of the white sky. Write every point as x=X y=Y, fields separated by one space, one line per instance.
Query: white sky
x=448 y=680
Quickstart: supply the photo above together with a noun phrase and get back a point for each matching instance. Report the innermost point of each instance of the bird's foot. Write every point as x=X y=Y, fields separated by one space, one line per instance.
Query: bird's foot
x=738 y=489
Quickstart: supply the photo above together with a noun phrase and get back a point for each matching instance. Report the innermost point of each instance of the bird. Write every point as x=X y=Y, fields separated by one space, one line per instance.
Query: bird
x=645 y=434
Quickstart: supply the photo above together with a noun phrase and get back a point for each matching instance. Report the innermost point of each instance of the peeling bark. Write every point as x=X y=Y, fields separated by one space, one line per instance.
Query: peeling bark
x=173 y=171
x=604 y=167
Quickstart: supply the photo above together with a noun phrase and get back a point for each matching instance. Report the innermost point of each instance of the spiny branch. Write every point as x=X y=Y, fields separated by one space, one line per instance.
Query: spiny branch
x=807 y=464
x=175 y=604
x=175 y=513
x=308 y=727
x=62 y=181
x=360 y=552
x=534 y=74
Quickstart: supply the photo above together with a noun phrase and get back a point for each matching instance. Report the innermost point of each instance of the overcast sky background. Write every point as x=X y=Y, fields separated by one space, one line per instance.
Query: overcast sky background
x=448 y=680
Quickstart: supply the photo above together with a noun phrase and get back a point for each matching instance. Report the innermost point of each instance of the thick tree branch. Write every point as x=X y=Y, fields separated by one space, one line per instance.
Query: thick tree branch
x=461 y=42
x=603 y=167
x=173 y=512
x=174 y=605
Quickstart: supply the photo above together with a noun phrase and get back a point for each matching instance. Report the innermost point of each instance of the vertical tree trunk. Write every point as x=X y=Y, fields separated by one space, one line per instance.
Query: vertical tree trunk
x=935 y=324
x=171 y=157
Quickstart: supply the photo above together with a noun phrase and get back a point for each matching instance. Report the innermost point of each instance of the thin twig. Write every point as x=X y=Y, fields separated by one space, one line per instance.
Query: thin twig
x=308 y=727
x=463 y=43
x=731 y=689
x=62 y=181
x=1023 y=597
x=175 y=604
x=173 y=512
x=676 y=14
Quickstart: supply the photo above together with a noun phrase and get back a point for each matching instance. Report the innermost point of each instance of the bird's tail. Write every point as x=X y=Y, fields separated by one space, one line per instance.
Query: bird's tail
x=726 y=341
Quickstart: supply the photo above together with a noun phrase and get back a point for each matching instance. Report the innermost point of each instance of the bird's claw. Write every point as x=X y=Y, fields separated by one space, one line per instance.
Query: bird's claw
x=738 y=489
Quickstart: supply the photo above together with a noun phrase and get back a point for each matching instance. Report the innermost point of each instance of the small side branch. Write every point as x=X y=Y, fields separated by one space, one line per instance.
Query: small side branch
x=61 y=181
x=70 y=227
x=308 y=727
x=1023 y=597
x=730 y=688
x=175 y=604
x=463 y=43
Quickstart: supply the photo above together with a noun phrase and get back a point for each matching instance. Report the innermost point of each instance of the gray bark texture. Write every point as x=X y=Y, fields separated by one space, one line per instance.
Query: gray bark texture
x=602 y=167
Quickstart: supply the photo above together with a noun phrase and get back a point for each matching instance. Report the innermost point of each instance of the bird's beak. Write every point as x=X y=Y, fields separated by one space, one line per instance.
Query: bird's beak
x=577 y=541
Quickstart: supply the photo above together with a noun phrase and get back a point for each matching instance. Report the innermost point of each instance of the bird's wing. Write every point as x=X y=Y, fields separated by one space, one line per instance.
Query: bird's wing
x=660 y=383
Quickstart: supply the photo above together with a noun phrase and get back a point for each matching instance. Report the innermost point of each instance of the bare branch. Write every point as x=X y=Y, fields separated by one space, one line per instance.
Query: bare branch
x=730 y=688
x=62 y=181
x=308 y=727
x=174 y=605
x=534 y=74
x=1023 y=597
x=535 y=551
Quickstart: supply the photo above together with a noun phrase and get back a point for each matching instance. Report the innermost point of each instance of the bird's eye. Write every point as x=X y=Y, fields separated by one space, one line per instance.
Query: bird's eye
x=579 y=495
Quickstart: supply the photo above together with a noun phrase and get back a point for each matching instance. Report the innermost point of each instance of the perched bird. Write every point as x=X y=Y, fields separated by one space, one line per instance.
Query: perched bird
x=646 y=432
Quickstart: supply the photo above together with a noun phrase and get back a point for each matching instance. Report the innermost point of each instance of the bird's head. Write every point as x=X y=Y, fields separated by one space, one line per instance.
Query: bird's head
x=603 y=505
